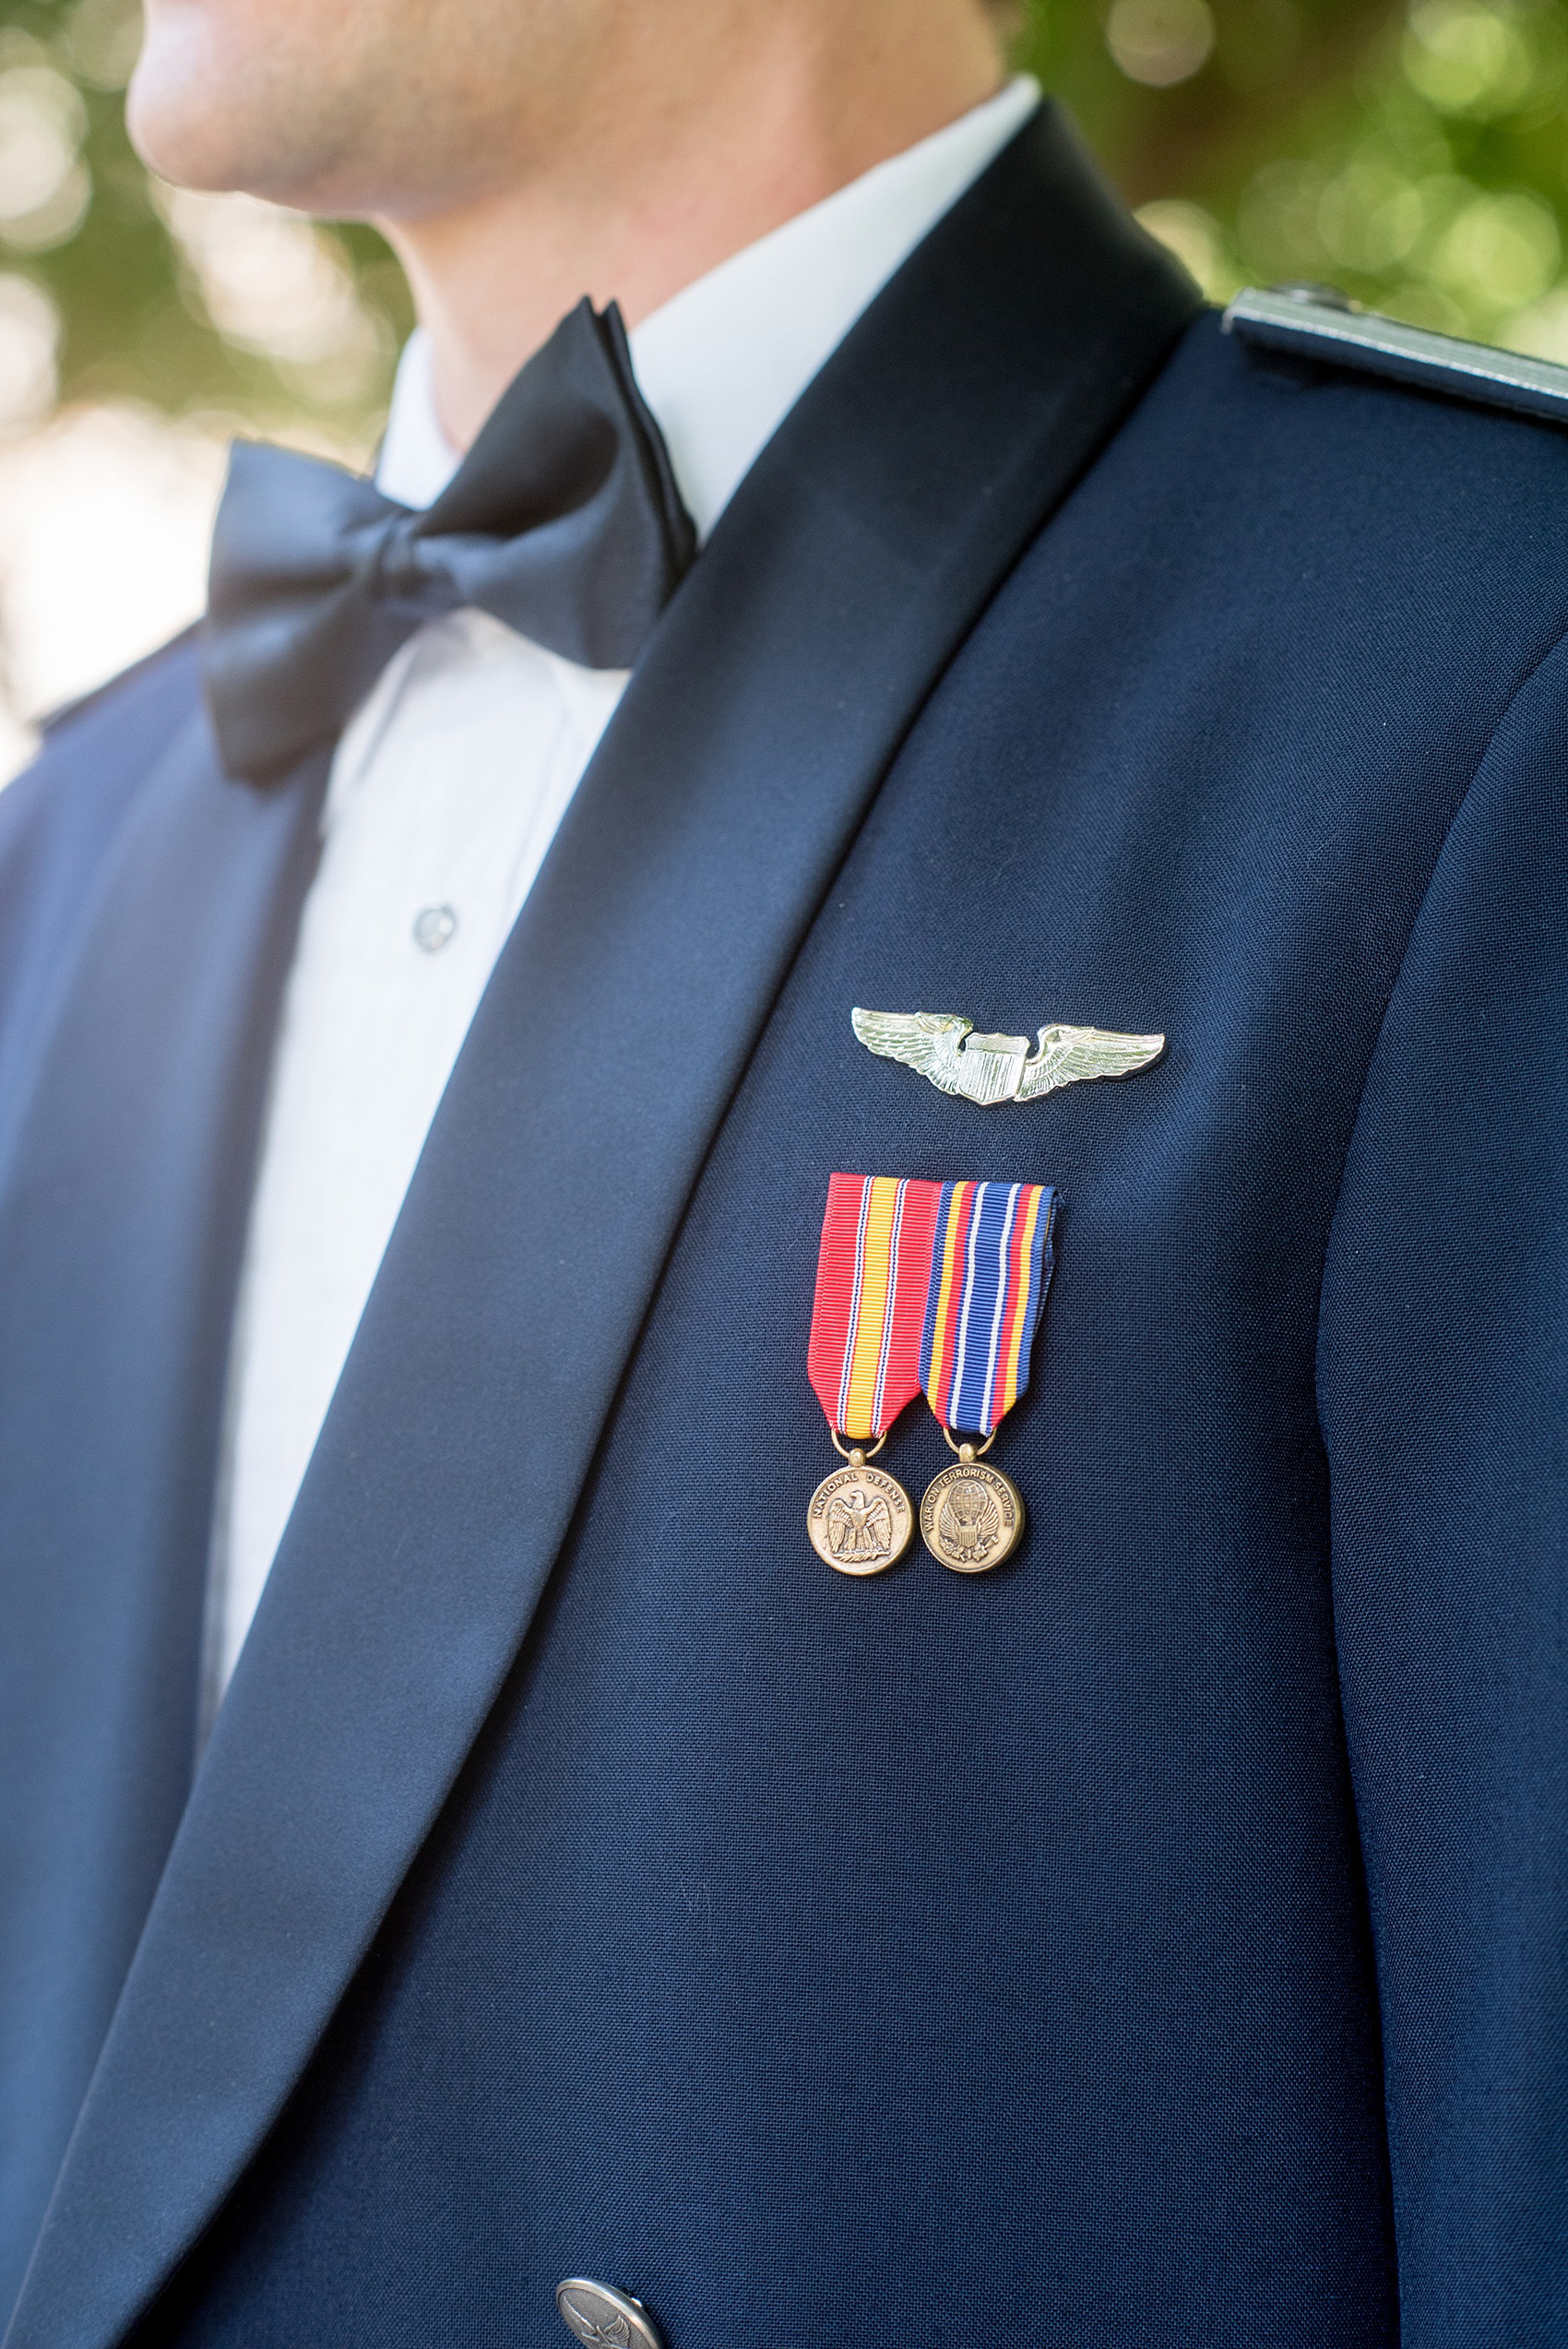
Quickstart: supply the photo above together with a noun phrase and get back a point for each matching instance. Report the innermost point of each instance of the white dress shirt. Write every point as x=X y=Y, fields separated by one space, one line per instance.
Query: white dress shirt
x=445 y=795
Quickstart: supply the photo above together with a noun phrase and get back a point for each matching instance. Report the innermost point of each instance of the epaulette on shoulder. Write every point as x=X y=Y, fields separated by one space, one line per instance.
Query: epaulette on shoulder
x=1317 y=322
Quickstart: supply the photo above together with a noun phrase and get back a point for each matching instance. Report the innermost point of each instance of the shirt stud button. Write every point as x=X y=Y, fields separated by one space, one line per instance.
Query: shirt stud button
x=434 y=925
x=603 y=2317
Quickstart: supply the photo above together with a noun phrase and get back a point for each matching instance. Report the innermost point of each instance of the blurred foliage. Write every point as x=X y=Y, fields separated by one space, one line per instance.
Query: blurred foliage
x=1413 y=151
x=1415 y=155
x=114 y=287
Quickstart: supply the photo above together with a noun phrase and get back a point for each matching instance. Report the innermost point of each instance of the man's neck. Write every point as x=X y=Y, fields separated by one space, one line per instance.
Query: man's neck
x=649 y=197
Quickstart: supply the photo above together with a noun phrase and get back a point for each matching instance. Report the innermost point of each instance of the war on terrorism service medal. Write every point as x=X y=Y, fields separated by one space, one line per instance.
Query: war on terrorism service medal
x=991 y=1259
x=924 y=1286
x=972 y=1516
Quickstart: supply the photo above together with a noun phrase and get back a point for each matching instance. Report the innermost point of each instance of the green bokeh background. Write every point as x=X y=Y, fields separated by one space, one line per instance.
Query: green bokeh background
x=1415 y=155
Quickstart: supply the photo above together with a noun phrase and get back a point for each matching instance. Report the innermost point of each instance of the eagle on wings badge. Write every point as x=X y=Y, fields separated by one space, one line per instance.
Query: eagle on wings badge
x=989 y=1070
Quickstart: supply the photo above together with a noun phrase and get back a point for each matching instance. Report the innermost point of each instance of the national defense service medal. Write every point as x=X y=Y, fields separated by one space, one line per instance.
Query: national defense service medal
x=859 y=1519
x=868 y=1318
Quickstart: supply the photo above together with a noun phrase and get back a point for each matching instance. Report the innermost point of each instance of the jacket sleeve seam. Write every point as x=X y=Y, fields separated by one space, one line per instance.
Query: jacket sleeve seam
x=1546 y=653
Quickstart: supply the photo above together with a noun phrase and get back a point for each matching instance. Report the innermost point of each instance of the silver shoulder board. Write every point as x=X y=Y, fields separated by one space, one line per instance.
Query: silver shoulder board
x=1315 y=324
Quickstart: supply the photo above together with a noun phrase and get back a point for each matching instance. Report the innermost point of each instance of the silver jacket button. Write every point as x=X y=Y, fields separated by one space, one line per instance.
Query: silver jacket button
x=605 y=2318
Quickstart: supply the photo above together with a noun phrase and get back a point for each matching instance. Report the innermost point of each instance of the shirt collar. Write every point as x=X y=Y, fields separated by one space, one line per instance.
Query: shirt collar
x=721 y=363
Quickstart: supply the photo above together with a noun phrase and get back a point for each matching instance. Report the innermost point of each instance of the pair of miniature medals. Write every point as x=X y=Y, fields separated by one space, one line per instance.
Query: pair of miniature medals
x=932 y=1288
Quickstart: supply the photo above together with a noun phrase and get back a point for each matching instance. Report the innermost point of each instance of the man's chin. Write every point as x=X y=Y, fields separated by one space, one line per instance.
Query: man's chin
x=182 y=139
x=197 y=121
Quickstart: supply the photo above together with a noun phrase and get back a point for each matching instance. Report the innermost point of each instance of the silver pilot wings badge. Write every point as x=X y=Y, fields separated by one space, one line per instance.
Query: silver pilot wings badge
x=989 y=1070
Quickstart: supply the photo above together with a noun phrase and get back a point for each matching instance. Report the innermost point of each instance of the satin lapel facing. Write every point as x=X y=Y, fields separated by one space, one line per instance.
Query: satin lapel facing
x=616 y=1027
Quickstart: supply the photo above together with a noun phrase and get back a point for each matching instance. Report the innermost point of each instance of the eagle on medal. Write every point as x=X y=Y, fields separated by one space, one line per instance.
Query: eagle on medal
x=970 y=1523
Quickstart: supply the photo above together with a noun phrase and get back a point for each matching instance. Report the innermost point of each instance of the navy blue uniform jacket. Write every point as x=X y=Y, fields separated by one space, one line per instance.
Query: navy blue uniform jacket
x=1159 y=1941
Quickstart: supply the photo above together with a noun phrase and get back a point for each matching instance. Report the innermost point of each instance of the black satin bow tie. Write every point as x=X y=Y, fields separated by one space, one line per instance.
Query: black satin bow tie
x=563 y=521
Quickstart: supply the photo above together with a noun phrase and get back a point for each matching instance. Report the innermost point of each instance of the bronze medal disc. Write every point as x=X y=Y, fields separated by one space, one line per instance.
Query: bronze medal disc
x=860 y=1519
x=971 y=1517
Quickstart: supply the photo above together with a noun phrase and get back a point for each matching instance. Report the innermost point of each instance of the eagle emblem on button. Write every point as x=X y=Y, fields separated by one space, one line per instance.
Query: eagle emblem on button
x=991 y=1069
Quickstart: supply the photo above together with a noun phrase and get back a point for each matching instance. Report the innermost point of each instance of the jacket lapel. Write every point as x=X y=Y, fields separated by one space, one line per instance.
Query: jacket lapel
x=127 y=1166
x=619 y=1019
